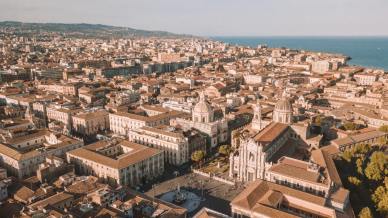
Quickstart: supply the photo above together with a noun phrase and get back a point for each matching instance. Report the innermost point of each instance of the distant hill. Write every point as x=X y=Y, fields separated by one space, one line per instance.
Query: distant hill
x=85 y=30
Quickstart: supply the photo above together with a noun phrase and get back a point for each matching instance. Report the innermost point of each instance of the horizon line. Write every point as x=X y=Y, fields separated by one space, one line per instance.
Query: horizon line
x=208 y=35
x=290 y=36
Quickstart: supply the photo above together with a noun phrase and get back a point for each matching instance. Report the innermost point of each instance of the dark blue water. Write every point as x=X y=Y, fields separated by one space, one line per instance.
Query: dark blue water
x=364 y=51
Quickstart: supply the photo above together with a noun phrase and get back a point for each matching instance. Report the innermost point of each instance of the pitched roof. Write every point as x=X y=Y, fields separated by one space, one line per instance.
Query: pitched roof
x=270 y=133
x=323 y=159
x=261 y=196
x=353 y=139
x=52 y=200
x=23 y=194
x=296 y=169
x=14 y=153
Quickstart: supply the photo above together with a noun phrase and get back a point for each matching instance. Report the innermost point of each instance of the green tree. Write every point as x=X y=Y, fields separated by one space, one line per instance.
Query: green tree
x=382 y=206
x=379 y=194
x=359 y=163
x=350 y=126
x=377 y=166
x=386 y=182
x=380 y=198
x=197 y=156
x=354 y=180
x=365 y=213
x=224 y=150
x=362 y=149
x=383 y=128
x=382 y=141
x=318 y=120
x=347 y=155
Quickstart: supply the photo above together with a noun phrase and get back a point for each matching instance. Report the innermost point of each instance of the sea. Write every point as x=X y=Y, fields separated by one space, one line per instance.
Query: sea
x=365 y=51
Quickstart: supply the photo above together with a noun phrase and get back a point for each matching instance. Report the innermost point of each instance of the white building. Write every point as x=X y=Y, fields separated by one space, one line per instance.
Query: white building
x=321 y=66
x=254 y=79
x=121 y=122
x=178 y=106
x=260 y=142
x=365 y=79
x=176 y=144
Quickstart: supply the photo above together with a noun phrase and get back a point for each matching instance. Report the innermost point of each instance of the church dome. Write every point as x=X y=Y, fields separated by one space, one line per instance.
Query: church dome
x=202 y=106
x=202 y=111
x=283 y=104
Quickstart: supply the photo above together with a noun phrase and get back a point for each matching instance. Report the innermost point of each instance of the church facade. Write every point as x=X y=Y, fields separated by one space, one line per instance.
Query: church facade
x=262 y=143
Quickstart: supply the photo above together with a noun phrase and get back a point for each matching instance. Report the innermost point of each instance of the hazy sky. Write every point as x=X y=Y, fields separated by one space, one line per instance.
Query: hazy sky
x=213 y=17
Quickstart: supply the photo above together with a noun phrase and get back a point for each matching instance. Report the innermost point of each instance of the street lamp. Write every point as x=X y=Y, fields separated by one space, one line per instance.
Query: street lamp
x=153 y=193
x=202 y=198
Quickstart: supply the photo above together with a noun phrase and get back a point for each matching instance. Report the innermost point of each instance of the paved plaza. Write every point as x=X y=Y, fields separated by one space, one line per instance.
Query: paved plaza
x=215 y=195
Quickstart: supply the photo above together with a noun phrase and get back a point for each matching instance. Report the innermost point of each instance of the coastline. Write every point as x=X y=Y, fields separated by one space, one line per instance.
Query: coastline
x=364 y=51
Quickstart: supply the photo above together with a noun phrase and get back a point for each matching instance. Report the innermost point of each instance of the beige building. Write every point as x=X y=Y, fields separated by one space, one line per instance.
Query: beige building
x=252 y=79
x=123 y=97
x=176 y=144
x=118 y=161
x=321 y=66
x=267 y=199
x=66 y=89
x=23 y=154
x=90 y=123
x=121 y=122
x=62 y=115
x=317 y=177
x=371 y=138
x=169 y=57
x=365 y=79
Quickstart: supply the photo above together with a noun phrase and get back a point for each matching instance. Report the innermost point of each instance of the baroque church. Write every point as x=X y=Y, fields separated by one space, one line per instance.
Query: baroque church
x=204 y=120
x=263 y=142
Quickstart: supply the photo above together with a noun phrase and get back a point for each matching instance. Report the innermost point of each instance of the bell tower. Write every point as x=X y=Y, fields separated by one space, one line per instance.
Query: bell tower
x=257 y=123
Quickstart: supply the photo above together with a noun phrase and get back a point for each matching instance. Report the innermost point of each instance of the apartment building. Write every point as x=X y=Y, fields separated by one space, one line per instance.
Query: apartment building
x=62 y=115
x=365 y=79
x=21 y=155
x=322 y=66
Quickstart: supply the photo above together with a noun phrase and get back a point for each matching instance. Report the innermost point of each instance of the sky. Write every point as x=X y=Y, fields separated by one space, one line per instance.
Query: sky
x=213 y=17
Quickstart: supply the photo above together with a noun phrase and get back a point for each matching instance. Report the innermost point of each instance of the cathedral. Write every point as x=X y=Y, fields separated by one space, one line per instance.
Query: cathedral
x=263 y=142
x=203 y=119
